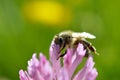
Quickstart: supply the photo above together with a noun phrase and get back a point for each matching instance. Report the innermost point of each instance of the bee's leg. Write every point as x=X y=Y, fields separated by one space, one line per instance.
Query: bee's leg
x=90 y=46
x=61 y=48
x=61 y=55
x=87 y=51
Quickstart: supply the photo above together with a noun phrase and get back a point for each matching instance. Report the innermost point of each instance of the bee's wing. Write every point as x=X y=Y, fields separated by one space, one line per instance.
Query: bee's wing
x=84 y=35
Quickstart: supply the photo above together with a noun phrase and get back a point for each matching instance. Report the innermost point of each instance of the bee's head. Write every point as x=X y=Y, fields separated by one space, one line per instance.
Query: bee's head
x=59 y=40
x=62 y=39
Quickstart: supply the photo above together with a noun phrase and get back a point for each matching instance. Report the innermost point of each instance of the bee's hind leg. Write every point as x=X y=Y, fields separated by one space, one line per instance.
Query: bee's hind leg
x=89 y=47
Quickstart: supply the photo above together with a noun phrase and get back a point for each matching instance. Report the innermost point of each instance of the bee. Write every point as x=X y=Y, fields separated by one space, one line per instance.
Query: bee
x=70 y=39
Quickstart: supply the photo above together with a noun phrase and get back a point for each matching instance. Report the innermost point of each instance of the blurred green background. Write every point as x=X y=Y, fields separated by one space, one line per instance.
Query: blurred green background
x=28 y=26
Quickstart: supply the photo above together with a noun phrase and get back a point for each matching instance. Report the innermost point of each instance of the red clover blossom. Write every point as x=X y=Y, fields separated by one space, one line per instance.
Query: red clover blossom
x=43 y=69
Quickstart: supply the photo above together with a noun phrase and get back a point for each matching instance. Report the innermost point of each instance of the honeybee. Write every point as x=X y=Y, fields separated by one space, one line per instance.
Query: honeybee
x=70 y=39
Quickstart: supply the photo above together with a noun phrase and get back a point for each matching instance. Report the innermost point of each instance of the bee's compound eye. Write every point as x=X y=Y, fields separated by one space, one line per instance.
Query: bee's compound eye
x=60 y=40
x=69 y=37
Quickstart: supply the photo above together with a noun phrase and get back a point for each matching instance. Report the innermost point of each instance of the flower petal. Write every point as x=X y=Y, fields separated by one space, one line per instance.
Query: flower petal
x=76 y=59
x=56 y=65
x=92 y=74
x=32 y=66
x=63 y=75
x=68 y=58
x=45 y=68
x=87 y=71
x=54 y=49
x=23 y=75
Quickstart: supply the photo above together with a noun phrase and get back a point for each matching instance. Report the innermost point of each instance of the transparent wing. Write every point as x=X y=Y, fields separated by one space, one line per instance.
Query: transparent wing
x=84 y=35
